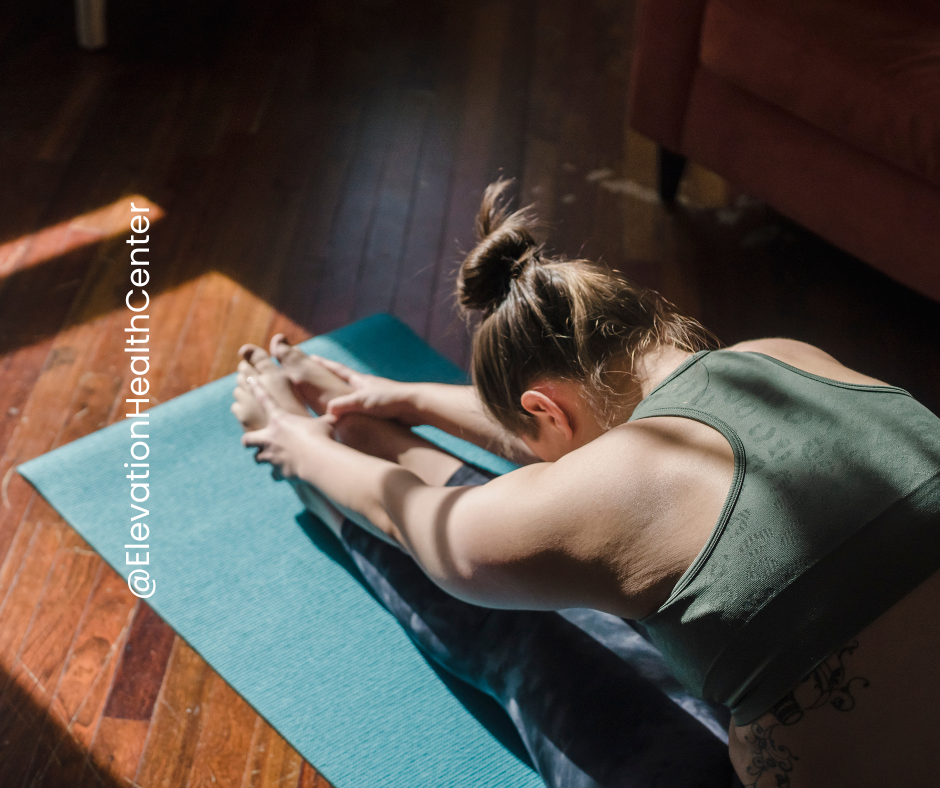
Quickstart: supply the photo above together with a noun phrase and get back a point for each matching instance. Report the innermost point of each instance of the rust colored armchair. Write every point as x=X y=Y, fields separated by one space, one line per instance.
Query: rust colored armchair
x=829 y=110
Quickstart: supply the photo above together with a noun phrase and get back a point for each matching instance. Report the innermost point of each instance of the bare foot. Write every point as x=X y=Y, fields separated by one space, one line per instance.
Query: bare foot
x=313 y=382
x=257 y=363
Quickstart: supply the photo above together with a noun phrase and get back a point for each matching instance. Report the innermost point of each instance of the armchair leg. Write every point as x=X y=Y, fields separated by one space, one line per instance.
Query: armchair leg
x=91 y=23
x=671 y=167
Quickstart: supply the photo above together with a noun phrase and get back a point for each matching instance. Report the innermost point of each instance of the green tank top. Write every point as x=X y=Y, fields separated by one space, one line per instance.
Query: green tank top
x=833 y=516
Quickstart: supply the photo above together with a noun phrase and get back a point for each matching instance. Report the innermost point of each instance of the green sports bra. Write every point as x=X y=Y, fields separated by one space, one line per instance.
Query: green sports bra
x=833 y=516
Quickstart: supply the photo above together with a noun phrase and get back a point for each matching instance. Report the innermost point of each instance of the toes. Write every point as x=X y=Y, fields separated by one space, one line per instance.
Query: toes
x=242 y=395
x=285 y=352
x=256 y=357
x=246 y=351
x=247 y=410
x=279 y=346
x=256 y=362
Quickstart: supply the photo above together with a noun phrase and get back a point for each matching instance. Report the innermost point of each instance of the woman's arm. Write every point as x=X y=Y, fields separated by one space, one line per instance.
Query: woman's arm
x=529 y=539
x=458 y=411
x=454 y=409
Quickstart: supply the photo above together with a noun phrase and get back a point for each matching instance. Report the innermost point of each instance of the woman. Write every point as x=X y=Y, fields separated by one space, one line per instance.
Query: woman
x=771 y=517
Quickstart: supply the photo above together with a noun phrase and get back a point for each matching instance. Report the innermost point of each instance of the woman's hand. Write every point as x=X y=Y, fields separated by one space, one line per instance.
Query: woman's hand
x=372 y=395
x=288 y=441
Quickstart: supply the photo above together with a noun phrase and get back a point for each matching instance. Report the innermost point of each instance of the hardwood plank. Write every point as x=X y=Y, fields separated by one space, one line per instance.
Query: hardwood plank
x=222 y=753
x=479 y=100
x=276 y=209
x=311 y=778
x=103 y=402
x=30 y=187
x=48 y=640
x=272 y=761
x=177 y=721
x=115 y=753
x=306 y=261
x=47 y=289
x=335 y=295
x=507 y=143
x=41 y=421
x=69 y=123
x=543 y=114
x=646 y=234
x=169 y=317
x=220 y=300
x=18 y=606
x=425 y=239
x=20 y=531
x=195 y=352
x=80 y=696
x=507 y=146
x=247 y=320
x=62 y=613
x=545 y=102
x=577 y=195
x=143 y=664
x=384 y=246
x=537 y=183
x=414 y=179
x=608 y=210
x=22 y=720
x=14 y=557
x=19 y=370
x=95 y=654
x=59 y=609
x=104 y=385
x=110 y=150
x=92 y=405
x=337 y=115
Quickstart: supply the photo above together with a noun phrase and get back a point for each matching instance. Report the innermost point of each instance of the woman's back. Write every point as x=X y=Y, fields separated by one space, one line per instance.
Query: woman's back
x=831 y=519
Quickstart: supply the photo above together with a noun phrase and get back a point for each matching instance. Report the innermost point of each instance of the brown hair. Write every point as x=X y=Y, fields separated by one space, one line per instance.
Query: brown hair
x=552 y=317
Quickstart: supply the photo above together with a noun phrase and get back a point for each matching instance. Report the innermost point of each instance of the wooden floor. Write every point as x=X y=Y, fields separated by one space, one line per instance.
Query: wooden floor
x=313 y=162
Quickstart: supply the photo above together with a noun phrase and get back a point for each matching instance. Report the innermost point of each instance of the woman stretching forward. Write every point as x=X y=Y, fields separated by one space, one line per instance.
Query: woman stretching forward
x=770 y=517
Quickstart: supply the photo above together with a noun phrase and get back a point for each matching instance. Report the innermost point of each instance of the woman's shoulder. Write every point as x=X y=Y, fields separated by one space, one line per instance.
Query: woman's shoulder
x=806 y=357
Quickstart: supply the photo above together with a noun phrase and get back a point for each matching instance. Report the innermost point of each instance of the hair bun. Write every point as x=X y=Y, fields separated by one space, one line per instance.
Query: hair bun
x=505 y=245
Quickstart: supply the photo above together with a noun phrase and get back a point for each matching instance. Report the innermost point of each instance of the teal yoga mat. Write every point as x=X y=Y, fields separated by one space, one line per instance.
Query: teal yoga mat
x=266 y=595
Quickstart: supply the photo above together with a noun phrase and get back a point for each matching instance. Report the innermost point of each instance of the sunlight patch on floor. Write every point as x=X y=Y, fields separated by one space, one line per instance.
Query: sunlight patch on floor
x=59 y=239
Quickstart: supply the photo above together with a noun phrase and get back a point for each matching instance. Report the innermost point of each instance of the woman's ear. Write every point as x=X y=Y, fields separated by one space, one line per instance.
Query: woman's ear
x=550 y=415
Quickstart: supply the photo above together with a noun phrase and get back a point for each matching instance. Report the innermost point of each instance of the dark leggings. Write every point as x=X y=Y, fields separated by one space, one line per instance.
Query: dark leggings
x=592 y=701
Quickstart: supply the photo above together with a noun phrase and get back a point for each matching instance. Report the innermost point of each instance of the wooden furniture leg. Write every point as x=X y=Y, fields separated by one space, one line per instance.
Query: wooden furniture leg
x=671 y=167
x=91 y=23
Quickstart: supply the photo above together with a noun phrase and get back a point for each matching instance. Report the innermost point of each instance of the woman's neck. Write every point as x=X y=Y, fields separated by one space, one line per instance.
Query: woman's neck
x=647 y=371
x=655 y=365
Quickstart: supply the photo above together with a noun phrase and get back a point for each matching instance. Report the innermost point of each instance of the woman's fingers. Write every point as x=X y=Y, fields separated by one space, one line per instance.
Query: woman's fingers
x=327 y=418
x=345 y=403
x=340 y=370
x=255 y=438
